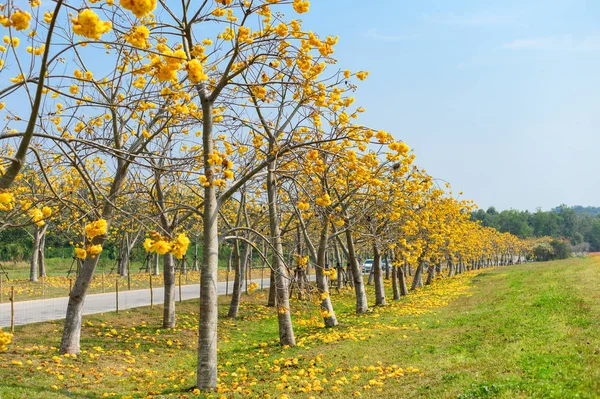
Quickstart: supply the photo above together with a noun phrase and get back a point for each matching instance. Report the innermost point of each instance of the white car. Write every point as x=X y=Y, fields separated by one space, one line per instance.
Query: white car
x=368 y=265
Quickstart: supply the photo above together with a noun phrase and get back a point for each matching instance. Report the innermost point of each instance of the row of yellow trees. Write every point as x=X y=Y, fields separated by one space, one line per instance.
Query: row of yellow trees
x=226 y=121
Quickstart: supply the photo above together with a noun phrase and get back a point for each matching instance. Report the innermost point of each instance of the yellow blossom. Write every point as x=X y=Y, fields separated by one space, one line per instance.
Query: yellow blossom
x=20 y=20
x=301 y=6
x=138 y=36
x=96 y=228
x=80 y=253
x=139 y=8
x=161 y=247
x=94 y=249
x=89 y=25
x=195 y=71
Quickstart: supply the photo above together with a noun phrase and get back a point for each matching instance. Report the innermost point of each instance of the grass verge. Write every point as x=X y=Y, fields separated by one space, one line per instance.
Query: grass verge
x=513 y=332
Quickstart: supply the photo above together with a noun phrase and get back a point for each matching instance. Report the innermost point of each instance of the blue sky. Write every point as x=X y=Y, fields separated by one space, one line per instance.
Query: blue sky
x=498 y=98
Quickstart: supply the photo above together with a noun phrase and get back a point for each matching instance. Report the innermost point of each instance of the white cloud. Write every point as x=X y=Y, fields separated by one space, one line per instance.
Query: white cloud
x=373 y=34
x=556 y=43
x=481 y=19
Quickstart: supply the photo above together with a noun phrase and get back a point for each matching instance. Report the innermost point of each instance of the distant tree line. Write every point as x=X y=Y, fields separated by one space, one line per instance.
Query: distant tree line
x=577 y=224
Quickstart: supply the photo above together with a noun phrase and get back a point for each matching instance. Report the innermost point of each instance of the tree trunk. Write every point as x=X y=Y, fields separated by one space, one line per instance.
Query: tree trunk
x=240 y=268
x=169 y=292
x=72 y=330
x=272 y=301
x=286 y=331
x=195 y=265
x=206 y=377
x=388 y=267
x=402 y=280
x=42 y=252
x=338 y=265
x=430 y=274
x=299 y=271
x=378 y=273
x=371 y=275
x=450 y=268
x=359 y=285
x=124 y=256
x=329 y=318
x=418 y=278
x=35 y=255
x=395 y=287
x=156 y=264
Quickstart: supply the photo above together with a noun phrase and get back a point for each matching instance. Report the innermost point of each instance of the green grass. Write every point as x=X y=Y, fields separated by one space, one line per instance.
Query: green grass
x=527 y=331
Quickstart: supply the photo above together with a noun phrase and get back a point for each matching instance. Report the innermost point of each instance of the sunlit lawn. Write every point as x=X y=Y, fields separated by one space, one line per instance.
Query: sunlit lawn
x=513 y=332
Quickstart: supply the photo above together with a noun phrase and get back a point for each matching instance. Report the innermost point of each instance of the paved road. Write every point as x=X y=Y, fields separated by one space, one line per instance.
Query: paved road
x=36 y=311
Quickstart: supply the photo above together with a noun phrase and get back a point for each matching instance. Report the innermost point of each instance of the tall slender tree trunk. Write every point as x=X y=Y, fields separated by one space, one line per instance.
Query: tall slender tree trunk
x=395 y=287
x=371 y=275
x=430 y=273
x=239 y=264
x=42 y=253
x=402 y=279
x=338 y=264
x=299 y=272
x=387 y=267
x=35 y=255
x=378 y=275
x=155 y=264
x=169 y=292
x=272 y=301
x=206 y=377
x=359 y=285
x=418 y=278
x=195 y=266
x=329 y=318
x=286 y=331
x=125 y=257
x=72 y=330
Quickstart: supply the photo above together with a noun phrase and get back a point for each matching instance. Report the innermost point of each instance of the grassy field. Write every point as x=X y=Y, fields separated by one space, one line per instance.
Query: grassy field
x=527 y=331
x=58 y=281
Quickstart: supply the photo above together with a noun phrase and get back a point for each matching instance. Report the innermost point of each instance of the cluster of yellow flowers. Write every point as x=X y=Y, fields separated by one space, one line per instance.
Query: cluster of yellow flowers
x=158 y=244
x=252 y=286
x=303 y=206
x=401 y=148
x=195 y=71
x=302 y=261
x=7 y=201
x=139 y=8
x=332 y=273
x=91 y=250
x=259 y=92
x=89 y=25
x=93 y=229
x=18 y=20
x=38 y=215
x=301 y=6
x=138 y=36
x=96 y=228
x=362 y=75
x=325 y=200
x=166 y=67
x=5 y=339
